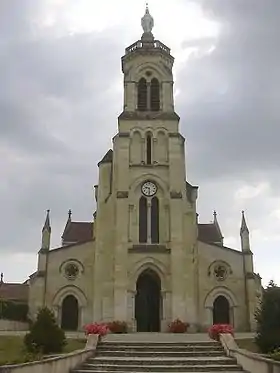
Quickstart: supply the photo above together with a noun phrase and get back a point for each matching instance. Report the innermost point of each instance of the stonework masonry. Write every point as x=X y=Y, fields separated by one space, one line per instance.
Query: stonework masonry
x=145 y=259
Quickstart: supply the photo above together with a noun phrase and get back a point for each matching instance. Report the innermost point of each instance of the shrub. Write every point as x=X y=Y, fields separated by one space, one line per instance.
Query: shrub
x=178 y=326
x=13 y=311
x=217 y=329
x=268 y=320
x=45 y=335
x=96 y=328
x=118 y=327
x=275 y=355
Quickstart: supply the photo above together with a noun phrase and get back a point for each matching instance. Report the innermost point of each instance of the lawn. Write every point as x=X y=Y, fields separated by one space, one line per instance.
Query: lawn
x=12 y=349
x=247 y=344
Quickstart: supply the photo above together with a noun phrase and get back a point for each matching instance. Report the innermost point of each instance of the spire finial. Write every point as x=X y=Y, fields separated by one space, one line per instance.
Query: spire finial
x=47 y=225
x=243 y=227
x=69 y=214
x=147 y=21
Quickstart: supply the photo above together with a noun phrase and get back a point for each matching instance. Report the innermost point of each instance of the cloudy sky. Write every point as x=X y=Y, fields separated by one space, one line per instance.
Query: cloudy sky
x=61 y=93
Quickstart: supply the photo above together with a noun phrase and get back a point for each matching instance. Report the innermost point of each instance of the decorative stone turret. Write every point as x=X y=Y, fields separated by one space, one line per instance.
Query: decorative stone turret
x=46 y=233
x=221 y=241
x=43 y=258
x=250 y=281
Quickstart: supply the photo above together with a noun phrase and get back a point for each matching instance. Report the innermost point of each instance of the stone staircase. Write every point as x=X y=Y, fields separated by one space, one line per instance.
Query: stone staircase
x=159 y=356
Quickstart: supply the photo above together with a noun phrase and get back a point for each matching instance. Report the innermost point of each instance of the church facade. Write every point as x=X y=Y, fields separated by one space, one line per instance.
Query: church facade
x=145 y=259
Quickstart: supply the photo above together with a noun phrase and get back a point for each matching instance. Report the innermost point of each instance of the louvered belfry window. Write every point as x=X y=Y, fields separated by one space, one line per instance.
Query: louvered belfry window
x=148 y=95
x=154 y=96
x=142 y=95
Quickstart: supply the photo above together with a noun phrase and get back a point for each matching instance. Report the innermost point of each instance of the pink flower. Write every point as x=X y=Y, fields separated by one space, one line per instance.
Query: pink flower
x=96 y=328
x=217 y=329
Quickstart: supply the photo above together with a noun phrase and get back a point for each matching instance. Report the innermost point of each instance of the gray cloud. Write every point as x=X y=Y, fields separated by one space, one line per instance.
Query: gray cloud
x=229 y=106
x=60 y=97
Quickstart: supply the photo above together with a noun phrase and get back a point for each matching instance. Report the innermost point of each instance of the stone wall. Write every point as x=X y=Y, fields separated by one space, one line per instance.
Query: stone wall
x=250 y=362
x=9 y=325
x=61 y=364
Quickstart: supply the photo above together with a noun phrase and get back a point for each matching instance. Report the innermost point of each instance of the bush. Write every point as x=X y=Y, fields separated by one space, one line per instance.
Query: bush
x=275 y=355
x=268 y=320
x=13 y=311
x=118 y=327
x=178 y=326
x=45 y=335
x=217 y=329
x=96 y=328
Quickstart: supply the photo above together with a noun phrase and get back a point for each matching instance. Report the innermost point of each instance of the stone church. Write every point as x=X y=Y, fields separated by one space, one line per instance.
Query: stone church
x=145 y=259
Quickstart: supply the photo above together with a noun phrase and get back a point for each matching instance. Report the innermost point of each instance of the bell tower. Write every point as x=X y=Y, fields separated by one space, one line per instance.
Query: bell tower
x=148 y=79
x=145 y=209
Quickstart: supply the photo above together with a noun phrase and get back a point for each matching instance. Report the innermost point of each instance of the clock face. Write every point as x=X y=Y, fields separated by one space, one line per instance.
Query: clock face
x=149 y=189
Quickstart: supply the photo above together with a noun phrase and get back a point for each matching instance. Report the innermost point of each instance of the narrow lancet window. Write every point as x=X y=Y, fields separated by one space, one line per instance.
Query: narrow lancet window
x=149 y=149
x=142 y=95
x=143 y=220
x=155 y=220
x=155 y=95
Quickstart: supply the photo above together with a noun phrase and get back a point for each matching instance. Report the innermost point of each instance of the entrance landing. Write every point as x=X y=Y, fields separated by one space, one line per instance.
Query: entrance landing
x=157 y=337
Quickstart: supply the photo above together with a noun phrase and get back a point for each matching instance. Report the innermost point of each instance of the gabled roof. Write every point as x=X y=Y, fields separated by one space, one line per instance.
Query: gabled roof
x=209 y=233
x=14 y=291
x=78 y=232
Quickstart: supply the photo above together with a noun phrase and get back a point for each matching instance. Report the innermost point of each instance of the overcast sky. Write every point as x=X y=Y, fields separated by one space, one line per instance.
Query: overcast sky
x=61 y=93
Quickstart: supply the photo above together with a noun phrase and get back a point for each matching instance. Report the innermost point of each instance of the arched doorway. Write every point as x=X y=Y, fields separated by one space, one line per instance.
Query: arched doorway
x=70 y=313
x=221 y=312
x=148 y=302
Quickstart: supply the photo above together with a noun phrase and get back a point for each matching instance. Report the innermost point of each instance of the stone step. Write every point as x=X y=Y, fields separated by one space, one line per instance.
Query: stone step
x=98 y=360
x=160 y=368
x=201 y=344
x=155 y=353
x=105 y=348
x=142 y=371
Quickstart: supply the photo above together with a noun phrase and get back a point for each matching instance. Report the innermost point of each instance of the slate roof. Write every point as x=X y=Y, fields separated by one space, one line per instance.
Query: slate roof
x=83 y=231
x=209 y=233
x=78 y=232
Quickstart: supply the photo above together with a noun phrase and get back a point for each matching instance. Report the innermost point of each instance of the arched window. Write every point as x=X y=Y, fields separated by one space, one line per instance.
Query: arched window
x=143 y=220
x=149 y=149
x=155 y=220
x=142 y=95
x=154 y=96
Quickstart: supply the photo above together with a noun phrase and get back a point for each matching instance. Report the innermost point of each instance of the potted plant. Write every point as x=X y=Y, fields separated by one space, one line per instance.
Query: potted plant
x=178 y=326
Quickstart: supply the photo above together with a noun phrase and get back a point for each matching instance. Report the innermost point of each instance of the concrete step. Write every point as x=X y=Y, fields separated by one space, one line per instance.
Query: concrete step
x=155 y=353
x=163 y=344
x=180 y=348
x=159 y=357
x=220 y=360
x=159 y=368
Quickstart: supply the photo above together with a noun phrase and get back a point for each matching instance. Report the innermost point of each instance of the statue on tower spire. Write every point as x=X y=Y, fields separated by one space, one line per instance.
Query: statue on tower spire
x=147 y=21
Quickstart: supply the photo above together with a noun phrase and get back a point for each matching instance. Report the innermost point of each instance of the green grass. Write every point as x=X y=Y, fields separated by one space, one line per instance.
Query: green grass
x=12 y=349
x=247 y=344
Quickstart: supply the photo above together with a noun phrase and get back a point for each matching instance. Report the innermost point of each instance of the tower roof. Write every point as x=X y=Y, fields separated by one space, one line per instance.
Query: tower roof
x=243 y=227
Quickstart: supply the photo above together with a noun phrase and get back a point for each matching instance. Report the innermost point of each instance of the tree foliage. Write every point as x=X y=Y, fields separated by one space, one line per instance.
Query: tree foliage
x=268 y=320
x=13 y=311
x=45 y=335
